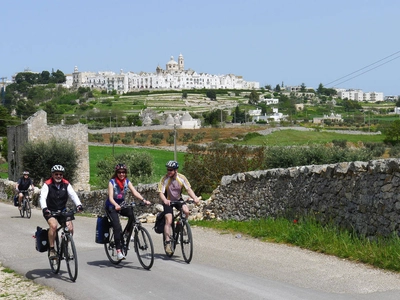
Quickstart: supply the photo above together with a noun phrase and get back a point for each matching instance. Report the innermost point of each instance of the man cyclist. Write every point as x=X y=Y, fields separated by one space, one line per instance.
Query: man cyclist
x=53 y=197
x=170 y=189
x=23 y=184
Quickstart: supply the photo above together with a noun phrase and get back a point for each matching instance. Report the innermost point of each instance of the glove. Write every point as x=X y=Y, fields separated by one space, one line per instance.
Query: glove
x=46 y=212
x=79 y=208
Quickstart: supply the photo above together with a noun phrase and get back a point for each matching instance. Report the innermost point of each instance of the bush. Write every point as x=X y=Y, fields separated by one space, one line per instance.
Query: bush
x=40 y=157
x=286 y=157
x=140 y=167
x=340 y=143
x=126 y=140
x=205 y=166
x=158 y=135
x=155 y=141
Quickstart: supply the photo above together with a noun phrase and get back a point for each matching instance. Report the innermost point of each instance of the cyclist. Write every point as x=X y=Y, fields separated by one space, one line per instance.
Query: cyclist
x=118 y=186
x=53 y=197
x=170 y=189
x=23 y=184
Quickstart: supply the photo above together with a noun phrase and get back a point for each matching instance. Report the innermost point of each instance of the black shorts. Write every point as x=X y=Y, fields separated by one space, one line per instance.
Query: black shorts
x=168 y=209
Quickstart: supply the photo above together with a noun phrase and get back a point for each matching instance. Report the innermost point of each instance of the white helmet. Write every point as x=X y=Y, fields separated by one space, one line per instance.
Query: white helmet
x=57 y=168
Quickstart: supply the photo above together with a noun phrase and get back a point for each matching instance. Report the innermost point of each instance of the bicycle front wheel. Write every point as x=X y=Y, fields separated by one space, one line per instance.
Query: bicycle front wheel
x=28 y=210
x=55 y=262
x=22 y=208
x=186 y=242
x=144 y=248
x=110 y=249
x=71 y=258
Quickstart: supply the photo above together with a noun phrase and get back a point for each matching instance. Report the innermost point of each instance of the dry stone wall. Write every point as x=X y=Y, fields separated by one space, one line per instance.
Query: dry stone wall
x=360 y=196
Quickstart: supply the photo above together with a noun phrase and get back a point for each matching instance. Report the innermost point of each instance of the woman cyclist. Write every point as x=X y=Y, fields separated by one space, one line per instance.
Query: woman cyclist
x=118 y=186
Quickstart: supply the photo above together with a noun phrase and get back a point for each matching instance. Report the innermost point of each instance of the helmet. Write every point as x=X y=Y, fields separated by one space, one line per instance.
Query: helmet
x=120 y=167
x=172 y=164
x=57 y=168
x=25 y=173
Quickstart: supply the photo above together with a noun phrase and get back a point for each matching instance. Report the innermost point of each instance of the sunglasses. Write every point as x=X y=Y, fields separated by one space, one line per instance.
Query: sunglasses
x=170 y=170
x=121 y=172
x=58 y=174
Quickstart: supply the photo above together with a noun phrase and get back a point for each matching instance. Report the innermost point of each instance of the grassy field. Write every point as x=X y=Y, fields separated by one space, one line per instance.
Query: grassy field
x=294 y=137
x=160 y=157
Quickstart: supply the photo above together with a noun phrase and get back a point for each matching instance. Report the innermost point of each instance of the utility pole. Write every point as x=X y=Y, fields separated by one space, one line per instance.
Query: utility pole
x=175 y=142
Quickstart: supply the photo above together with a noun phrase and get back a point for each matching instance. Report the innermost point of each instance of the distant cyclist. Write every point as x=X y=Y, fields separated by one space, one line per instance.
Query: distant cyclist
x=53 y=197
x=170 y=189
x=23 y=184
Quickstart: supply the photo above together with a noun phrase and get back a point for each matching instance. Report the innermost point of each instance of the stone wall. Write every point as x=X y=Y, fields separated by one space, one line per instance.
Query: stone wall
x=35 y=129
x=360 y=196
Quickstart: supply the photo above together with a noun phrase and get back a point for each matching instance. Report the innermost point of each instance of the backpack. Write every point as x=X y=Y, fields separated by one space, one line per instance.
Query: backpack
x=42 y=239
x=160 y=222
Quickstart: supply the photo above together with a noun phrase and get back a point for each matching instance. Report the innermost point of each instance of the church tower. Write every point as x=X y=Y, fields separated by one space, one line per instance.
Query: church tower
x=181 y=63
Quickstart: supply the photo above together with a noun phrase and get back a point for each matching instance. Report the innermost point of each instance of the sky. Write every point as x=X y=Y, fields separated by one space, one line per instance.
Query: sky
x=352 y=44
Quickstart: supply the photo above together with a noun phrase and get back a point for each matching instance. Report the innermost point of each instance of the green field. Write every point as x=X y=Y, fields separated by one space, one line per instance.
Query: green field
x=289 y=137
x=160 y=157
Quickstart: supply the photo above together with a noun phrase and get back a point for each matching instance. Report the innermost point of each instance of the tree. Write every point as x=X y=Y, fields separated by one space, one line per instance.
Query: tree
x=253 y=97
x=303 y=88
x=278 y=88
x=39 y=157
x=211 y=94
x=392 y=133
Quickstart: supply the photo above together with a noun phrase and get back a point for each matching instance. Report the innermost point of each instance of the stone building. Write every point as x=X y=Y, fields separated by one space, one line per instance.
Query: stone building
x=35 y=128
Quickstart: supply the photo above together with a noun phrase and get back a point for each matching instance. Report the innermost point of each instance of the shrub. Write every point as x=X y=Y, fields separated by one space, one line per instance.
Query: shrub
x=126 y=140
x=155 y=141
x=340 y=143
x=205 y=166
x=140 y=167
x=39 y=157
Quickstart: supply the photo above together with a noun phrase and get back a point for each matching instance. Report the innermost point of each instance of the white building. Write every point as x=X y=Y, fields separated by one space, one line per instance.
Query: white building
x=359 y=95
x=173 y=77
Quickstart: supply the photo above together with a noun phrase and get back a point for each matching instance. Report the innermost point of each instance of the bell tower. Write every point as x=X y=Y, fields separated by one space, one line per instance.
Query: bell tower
x=181 y=63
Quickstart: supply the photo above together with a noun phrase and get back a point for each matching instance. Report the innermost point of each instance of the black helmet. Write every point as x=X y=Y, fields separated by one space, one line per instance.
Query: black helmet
x=172 y=164
x=120 y=167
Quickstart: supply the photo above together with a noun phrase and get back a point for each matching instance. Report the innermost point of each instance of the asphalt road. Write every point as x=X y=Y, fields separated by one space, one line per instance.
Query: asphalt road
x=224 y=266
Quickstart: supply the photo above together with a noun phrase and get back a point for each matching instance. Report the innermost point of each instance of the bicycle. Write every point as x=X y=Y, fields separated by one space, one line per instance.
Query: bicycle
x=64 y=246
x=142 y=241
x=181 y=232
x=25 y=204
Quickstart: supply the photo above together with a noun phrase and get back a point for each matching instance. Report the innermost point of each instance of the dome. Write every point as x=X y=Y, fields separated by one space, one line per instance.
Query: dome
x=172 y=61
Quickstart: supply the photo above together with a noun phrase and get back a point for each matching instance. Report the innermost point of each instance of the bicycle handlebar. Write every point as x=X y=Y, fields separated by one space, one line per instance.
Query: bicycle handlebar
x=65 y=213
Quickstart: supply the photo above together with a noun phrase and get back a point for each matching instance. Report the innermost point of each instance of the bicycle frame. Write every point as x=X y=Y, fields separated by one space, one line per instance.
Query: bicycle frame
x=181 y=232
x=64 y=246
x=142 y=241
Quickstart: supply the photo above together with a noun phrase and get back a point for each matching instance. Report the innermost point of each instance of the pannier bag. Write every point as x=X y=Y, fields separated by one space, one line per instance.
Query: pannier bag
x=160 y=222
x=16 y=200
x=42 y=239
x=102 y=230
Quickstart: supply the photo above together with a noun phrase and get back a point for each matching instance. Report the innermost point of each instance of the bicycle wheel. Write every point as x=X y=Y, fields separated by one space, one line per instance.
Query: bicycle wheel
x=186 y=242
x=110 y=249
x=55 y=262
x=70 y=257
x=144 y=248
x=21 y=211
x=28 y=210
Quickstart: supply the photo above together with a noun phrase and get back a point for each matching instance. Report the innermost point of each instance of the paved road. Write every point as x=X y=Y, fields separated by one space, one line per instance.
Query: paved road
x=224 y=267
